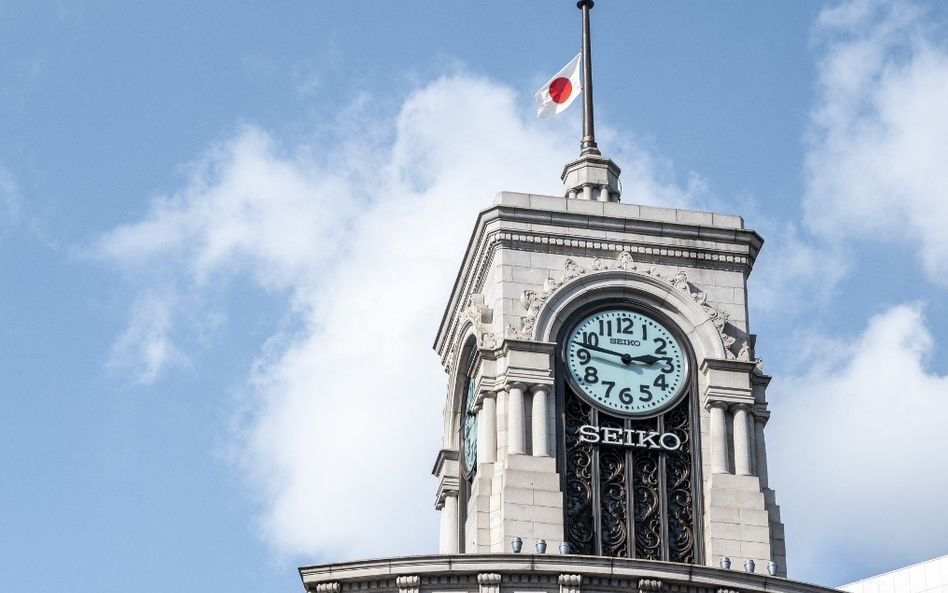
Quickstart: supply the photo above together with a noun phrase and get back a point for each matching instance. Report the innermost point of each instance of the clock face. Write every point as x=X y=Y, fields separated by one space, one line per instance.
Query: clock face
x=469 y=431
x=625 y=362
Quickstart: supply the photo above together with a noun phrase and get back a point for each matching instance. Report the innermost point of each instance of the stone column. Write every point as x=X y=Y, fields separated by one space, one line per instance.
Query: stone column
x=759 y=422
x=742 y=465
x=515 y=426
x=718 y=437
x=449 y=524
x=540 y=445
x=487 y=430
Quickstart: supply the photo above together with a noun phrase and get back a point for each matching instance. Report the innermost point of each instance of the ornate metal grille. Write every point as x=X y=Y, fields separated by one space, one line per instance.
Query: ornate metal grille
x=628 y=501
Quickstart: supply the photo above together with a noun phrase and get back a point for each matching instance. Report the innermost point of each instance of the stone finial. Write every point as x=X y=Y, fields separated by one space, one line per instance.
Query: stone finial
x=591 y=177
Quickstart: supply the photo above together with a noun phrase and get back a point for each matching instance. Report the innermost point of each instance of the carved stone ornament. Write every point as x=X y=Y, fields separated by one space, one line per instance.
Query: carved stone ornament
x=532 y=301
x=649 y=585
x=408 y=584
x=488 y=582
x=332 y=587
x=480 y=317
x=570 y=583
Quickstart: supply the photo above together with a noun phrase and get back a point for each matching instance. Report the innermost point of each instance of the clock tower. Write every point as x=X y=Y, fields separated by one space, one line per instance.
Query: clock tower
x=602 y=385
x=603 y=392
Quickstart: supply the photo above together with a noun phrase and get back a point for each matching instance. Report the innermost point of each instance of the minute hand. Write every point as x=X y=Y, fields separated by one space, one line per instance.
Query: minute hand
x=626 y=358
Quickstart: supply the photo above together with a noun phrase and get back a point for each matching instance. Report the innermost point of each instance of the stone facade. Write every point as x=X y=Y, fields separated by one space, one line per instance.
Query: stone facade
x=537 y=573
x=532 y=261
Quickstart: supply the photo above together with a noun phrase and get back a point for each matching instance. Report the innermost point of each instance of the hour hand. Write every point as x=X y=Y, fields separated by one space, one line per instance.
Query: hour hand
x=646 y=358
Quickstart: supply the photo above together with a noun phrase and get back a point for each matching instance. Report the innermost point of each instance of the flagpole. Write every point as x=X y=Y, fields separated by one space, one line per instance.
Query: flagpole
x=588 y=144
x=591 y=176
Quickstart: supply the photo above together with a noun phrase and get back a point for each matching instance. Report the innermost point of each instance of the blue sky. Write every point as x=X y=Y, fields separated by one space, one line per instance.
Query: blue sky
x=228 y=231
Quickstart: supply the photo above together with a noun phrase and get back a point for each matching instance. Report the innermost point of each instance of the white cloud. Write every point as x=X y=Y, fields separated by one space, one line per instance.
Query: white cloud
x=794 y=272
x=364 y=237
x=856 y=447
x=145 y=347
x=875 y=161
x=10 y=200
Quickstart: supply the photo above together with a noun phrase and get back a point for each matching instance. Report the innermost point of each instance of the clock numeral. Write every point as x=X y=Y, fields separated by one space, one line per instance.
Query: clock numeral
x=606 y=328
x=661 y=348
x=625 y=396
x=592 y=375
x=583 y=356
x=669 y=367
x=590 y=338
x=626 y=323
x=644 y=331
x=660 y=382
x=648 y=394
x=609 y=385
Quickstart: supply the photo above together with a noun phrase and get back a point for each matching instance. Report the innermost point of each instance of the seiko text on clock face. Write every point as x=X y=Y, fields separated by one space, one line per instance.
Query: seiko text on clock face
x=626 y=362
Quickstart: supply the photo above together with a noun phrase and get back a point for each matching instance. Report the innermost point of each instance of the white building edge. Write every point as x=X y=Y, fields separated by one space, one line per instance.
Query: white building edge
x=930 y=576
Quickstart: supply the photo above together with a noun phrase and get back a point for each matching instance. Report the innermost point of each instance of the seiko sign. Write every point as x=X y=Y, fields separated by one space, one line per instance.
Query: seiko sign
x=642 y=439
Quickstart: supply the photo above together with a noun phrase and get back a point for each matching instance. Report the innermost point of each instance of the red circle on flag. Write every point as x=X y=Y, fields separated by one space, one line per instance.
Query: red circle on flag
x=560 y=89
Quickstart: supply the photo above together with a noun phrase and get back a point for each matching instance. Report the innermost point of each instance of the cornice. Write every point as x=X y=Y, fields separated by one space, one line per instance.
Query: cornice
x=444 y=456
x=585 y=235
x=613 y=572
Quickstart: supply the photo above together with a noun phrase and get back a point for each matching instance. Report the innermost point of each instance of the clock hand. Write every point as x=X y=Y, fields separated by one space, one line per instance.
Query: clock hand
x=626 y=358
x=646 y=358
x=604 y=350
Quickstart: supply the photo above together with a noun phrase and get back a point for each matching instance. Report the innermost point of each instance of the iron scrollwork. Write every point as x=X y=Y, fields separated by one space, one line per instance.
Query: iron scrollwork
x=634 y=502
x=612 y=493
x=578 y=494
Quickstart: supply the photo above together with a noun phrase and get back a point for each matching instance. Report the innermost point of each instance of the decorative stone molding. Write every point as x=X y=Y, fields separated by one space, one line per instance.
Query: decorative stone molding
x=480 y=317
x=532 y=301
x=488 y=582
x=649 y=585
x=446 y=470
x=570 y=583
x=542 y=572
x=725 y=246
x=408 y=584
x=534 y=387
x=444 y=491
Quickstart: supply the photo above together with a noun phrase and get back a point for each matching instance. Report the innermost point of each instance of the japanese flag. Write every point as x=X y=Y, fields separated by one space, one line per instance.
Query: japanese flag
x=556 y=95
